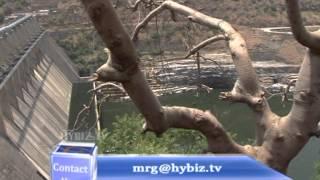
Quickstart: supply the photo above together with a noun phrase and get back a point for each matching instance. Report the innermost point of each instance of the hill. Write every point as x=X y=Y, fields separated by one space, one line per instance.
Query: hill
x=256 y=13
x=243 y=14
x=253 y=13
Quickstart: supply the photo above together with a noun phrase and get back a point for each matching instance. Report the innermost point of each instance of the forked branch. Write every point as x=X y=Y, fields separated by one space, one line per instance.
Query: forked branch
x=279 y=139
x=158 y=118
x=247 y=89
x=237 y=45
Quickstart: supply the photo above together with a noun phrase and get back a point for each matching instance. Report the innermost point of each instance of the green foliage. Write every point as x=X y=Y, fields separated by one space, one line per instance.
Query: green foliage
x=2 y=3
x=126 y=138
x=85 y=49
x=14 y=4
x=20 y=4
x=317 y=167
x=155 y=36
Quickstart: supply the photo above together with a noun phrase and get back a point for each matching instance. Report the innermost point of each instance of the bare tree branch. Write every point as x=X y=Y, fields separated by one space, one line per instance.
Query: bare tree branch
x=158 y=119
x=203 y=121
x=102 y=86
x=247 y=90
x=279 y=139
x=308 y=39
x=237 y=45
x=285 y=96
x=116 y=4
x=173 y=16
x=204 y=44
x=85 y=109
x=135 y=6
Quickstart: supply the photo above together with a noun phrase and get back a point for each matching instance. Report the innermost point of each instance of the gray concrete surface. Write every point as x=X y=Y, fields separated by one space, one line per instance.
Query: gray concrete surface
x=35 y=94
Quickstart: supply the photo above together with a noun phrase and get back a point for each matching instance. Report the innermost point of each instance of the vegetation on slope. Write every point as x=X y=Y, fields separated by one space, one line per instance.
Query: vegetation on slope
x=9 y=6
x=126 y=138
x=86 y=51
x=256 y=13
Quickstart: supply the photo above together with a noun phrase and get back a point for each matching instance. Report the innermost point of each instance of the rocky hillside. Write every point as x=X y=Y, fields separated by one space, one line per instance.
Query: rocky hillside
x=256 y=13
x=8 y=7
x=253 y=13
x=69 y=21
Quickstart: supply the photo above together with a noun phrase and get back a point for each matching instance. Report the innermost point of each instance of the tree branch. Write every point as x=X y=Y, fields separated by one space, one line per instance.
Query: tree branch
x=204 y=44
x=120 y=65
x=158 y=118
x=304 y=116
x=307 y=96
x=102 y=86
x=189 y=118
x=135 y=6
x=247 y=89
x=237 y=45
x=308 y=39
x=279 y=138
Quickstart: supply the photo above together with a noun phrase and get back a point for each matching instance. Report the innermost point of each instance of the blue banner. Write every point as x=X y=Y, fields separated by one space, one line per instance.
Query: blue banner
x=74 y=161
x=171 y=167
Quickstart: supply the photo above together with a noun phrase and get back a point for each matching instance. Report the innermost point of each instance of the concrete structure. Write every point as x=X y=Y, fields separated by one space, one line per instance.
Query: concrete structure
x=35 y=92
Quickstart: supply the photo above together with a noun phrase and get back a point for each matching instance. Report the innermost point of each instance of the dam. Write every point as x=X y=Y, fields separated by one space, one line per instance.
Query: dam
x=36 y=80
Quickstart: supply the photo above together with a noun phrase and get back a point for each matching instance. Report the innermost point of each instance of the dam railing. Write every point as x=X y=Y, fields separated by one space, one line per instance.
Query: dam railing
x=15 y=40
x=36 y=80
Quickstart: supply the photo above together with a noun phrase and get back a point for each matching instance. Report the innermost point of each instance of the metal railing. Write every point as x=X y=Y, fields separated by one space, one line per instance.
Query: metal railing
x=17 y=37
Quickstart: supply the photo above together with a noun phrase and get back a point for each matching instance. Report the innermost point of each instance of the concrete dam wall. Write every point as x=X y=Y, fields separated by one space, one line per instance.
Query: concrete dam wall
x=36 y=79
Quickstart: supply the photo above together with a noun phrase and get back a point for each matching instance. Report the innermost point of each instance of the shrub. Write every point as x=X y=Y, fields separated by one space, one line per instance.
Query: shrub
x=126 y=138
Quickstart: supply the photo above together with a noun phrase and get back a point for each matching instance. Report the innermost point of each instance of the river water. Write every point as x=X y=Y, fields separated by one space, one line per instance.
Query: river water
x=236 y=118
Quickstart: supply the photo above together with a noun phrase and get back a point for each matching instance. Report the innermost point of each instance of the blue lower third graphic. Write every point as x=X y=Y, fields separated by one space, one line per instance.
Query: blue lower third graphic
x=78 y=161
x=169 y=167
x=74 y=161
